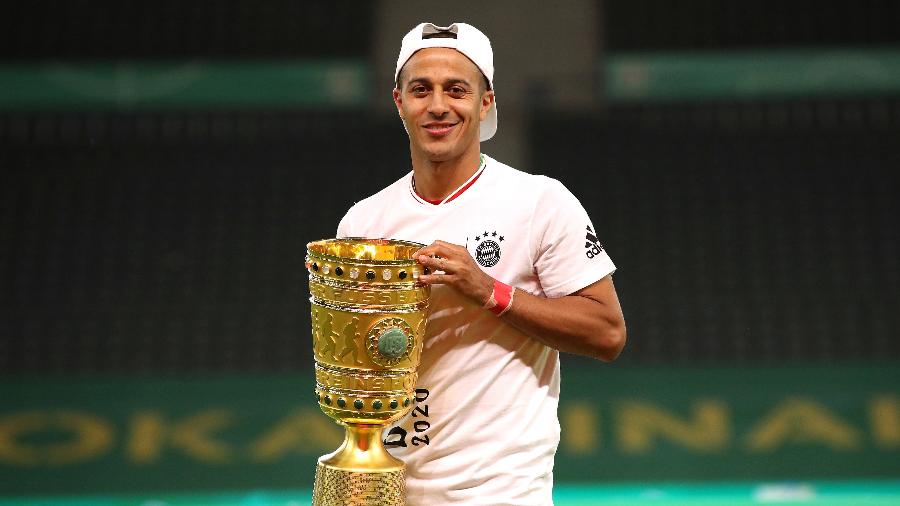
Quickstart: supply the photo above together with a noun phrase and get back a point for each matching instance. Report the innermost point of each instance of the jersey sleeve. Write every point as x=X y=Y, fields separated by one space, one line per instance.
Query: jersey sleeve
x=345 y=227
x=567 y=253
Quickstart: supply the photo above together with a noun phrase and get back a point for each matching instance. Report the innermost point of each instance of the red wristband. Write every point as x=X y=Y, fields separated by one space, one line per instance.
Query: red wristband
x=501 y=298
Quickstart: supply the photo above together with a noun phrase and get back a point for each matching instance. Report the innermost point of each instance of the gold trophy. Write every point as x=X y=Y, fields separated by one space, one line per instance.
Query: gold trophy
x=368 y=323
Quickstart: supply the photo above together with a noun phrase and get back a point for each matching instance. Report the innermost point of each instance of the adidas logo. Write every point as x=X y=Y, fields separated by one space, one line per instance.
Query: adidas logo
x=592 y=244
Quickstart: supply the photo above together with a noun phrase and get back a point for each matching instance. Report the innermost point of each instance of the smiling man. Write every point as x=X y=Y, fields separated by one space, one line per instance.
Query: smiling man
x=518 y=275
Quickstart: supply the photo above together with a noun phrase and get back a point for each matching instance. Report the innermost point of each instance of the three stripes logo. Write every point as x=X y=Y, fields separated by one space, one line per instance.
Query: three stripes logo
x=592 y=244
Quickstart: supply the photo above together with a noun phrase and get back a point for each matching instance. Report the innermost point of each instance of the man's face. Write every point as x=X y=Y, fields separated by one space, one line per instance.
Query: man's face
x=442 y=101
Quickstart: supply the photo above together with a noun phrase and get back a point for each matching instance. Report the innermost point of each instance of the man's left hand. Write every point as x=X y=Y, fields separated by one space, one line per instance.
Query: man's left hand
x=451 y=264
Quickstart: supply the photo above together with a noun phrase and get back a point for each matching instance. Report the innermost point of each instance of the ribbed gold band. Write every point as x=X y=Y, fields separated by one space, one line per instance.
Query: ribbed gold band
x=335 y=487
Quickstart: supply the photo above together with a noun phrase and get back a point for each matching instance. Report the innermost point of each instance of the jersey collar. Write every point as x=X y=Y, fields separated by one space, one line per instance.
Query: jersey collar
x=453 y=195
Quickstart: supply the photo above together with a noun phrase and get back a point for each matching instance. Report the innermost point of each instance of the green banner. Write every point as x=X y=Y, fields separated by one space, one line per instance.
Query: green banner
x=182 y=85
x=629 y=77
x=785 y=73
x=829 y=493
x=105 y=435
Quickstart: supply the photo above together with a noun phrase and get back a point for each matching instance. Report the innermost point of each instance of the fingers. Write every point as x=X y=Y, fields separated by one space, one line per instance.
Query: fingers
x=443 y=260
x=452 y=265
x=437 y=270
x=427 y=261
x=441 y=249
x=433 y=263
x=440 y=255
x=436 y=279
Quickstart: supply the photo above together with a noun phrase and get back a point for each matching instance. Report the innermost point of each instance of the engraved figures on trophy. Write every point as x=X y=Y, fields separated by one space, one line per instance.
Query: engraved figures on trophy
x=351 y=346
x=326 y=339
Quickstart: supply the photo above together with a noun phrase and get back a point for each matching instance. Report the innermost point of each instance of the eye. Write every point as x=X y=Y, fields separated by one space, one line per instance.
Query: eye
x=457 y=91
x=419 y=90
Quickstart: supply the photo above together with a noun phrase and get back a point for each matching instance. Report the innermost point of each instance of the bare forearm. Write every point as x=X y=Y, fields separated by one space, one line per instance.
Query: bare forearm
x=587 y=322
x=573 y=324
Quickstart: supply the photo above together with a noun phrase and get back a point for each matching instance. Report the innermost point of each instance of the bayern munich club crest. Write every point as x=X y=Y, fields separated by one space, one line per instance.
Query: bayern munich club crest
x=487 y=248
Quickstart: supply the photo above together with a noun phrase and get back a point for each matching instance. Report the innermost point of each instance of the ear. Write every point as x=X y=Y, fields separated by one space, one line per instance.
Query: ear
x=398 y=101
x=487 y=100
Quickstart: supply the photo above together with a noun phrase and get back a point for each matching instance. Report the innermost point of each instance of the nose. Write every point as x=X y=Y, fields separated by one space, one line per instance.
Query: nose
x=438 y=104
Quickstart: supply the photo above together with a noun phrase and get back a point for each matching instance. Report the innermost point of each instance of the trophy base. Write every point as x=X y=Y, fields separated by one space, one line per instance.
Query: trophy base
x=337 y=487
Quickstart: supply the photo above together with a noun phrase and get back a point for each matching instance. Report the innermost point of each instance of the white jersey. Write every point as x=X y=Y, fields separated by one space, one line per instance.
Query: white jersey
x=484 y=429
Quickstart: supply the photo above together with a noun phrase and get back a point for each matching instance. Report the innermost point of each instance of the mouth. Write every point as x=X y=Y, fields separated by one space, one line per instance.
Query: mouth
x=439 y=128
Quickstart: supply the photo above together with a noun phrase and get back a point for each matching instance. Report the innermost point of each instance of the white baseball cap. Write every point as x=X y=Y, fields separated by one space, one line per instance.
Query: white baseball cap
x=466 y=39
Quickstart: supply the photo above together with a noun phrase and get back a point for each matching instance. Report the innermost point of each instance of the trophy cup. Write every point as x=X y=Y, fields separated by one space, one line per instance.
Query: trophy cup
x=368 y=322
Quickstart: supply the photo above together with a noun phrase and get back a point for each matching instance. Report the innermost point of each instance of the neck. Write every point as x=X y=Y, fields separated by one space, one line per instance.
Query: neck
x=435 y=180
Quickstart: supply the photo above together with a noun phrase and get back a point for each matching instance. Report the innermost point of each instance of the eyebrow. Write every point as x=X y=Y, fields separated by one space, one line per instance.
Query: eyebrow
x=453 y=80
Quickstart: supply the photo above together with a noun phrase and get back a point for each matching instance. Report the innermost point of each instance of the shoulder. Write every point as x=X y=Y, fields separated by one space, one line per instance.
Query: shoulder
x=524 y=185
x=389 y=193
x=354 y=221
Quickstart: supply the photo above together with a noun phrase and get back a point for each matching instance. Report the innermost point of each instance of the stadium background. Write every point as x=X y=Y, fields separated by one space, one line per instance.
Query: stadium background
x=164 y=164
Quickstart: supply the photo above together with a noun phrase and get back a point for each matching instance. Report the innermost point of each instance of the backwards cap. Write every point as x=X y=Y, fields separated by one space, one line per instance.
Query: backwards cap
x=464 y=38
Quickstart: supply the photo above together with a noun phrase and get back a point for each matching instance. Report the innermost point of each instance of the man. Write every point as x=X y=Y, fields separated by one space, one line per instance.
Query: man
x=517 y=273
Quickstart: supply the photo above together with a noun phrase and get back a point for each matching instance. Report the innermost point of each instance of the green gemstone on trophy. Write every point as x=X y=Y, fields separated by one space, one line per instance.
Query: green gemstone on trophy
x=392 y=343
